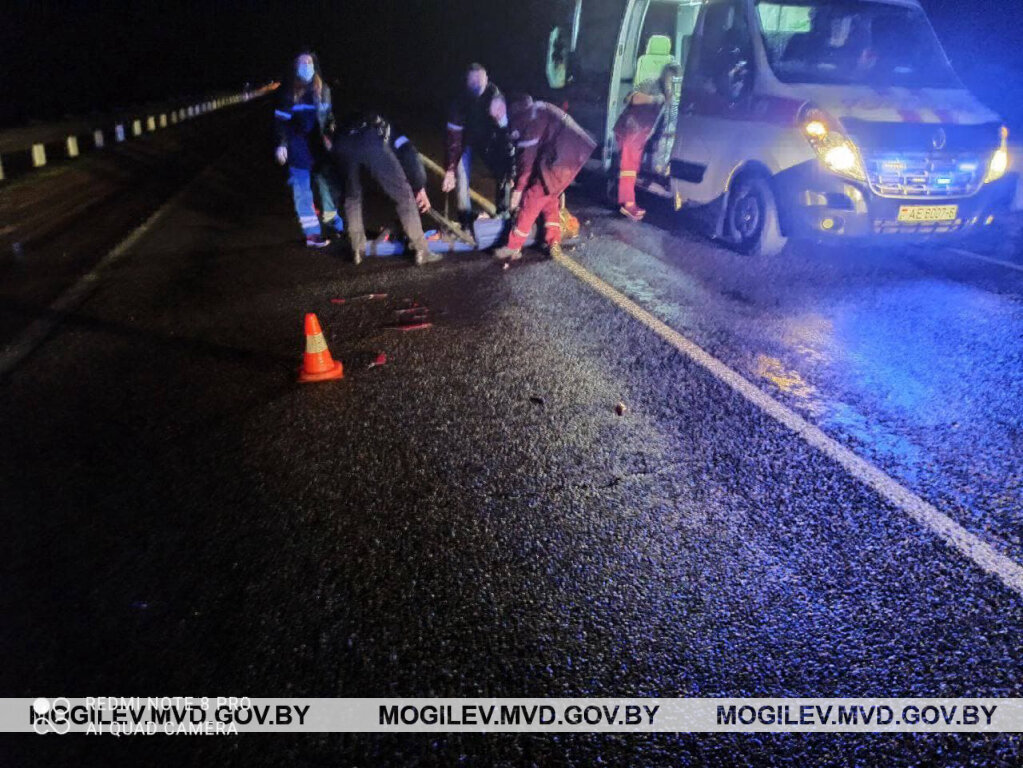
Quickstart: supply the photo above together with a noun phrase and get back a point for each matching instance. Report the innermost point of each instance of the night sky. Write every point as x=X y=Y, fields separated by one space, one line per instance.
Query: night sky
x=74 y=57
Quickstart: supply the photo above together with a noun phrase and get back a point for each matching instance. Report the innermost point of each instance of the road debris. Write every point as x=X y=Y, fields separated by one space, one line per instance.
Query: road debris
x=363 y=297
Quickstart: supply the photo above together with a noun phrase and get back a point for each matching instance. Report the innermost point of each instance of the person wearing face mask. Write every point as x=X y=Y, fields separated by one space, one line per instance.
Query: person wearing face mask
x=471 y=129
x=302 y=120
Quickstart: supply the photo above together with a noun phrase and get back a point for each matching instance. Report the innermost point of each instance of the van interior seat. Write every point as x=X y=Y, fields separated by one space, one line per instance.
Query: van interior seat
x=658 y=54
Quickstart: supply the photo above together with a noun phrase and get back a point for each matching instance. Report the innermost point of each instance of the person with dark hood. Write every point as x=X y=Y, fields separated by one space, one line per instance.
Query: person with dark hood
x=471 y=130
x=302 y=119
x=551 y=149
x=364 y=141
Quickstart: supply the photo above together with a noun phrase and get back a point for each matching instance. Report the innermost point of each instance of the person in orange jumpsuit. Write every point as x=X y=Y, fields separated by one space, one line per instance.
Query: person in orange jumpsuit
x=633 y=129
x=550 y=150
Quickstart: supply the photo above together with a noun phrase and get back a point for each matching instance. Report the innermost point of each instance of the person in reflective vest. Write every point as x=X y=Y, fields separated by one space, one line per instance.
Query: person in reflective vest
x=551 y=149
x=472 y=131
x=364 y=141
x=302 y=119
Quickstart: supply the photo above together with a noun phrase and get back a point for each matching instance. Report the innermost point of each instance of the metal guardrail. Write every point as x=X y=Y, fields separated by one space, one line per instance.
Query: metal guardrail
x=31 y=148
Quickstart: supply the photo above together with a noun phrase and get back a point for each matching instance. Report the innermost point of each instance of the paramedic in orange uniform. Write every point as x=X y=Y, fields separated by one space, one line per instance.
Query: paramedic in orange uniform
x=551 y=149
x=633 y=129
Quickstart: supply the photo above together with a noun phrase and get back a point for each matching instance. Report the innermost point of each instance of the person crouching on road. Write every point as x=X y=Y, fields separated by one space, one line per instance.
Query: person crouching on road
x=551 y=149
x=301 y=119
x=364 y=141
x=643 y=109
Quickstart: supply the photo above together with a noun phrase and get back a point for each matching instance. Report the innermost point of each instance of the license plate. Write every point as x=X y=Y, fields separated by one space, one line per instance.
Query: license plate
x=916 y=213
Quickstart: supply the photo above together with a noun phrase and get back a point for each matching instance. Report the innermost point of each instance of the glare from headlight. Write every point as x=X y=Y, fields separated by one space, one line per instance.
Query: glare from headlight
x=999 y=165
x=816 y=129
x=837 y=152
x=841 y=159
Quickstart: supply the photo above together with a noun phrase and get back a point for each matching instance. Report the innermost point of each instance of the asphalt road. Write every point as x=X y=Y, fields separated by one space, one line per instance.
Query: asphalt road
x=475 y=518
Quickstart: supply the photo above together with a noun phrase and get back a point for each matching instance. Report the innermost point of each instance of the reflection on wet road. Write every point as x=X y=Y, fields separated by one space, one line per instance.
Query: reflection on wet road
x=912 y=358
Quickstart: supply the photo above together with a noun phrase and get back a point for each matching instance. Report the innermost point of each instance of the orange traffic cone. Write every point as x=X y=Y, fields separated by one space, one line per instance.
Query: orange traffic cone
x=317 y=364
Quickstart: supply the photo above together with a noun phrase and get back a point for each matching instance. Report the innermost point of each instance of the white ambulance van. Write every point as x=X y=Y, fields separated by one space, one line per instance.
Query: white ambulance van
x=811 y=119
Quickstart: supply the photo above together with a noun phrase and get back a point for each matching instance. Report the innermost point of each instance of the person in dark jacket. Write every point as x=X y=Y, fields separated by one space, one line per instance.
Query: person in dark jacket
x=301 y=119
x=364 y=141
x=471 y=129
x=551 y=149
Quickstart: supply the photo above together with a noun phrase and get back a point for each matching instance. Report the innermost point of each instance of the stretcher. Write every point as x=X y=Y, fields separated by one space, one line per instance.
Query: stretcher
x=487 y=233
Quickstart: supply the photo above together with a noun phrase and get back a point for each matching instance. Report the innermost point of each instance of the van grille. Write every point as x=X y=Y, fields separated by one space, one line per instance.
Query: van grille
x=927 y=175
x=923 y=228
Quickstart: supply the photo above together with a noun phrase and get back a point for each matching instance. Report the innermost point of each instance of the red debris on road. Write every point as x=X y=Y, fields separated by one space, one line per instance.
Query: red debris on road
x=364 y=297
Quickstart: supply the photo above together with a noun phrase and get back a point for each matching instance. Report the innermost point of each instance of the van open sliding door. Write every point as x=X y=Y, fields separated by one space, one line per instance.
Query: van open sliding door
x=665 y=37
x=591 y=30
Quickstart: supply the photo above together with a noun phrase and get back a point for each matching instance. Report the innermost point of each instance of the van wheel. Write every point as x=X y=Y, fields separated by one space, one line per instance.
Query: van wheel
x=751 y=221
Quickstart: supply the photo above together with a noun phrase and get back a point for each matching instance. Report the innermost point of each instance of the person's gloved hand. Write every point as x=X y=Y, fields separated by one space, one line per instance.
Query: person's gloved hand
x=516 y=199
x=449 y=182
x=282 y=155
x=423 y=201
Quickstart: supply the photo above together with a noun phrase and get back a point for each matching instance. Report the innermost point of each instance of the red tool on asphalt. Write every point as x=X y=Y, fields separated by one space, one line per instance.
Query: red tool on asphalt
x=364 y=297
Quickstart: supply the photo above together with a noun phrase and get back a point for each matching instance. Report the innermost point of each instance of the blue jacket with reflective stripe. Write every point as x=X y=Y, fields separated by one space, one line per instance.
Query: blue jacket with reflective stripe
x=301 y=125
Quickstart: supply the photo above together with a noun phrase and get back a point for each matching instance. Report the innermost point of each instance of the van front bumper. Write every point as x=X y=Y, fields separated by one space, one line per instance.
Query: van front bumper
x=820 y=205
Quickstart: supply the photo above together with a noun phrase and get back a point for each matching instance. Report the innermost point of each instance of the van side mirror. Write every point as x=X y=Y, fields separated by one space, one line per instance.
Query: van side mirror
x=557 y=58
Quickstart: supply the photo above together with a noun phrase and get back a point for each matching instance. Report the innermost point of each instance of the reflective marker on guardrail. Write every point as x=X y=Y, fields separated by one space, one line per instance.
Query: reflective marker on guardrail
x=37 y=153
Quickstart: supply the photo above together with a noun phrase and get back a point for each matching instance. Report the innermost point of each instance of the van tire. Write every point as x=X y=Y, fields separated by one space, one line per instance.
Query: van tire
x=752 y=224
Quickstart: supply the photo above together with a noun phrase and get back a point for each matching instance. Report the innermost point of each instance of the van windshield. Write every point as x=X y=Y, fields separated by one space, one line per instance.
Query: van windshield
x=853 y=42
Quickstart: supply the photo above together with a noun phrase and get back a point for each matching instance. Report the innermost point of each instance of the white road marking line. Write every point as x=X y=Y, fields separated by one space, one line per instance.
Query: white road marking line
x=37 y=332
x=988 y=259
x=924 y=513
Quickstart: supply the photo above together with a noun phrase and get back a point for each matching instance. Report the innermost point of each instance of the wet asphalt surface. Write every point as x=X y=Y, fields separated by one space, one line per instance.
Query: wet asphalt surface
x=474 y=517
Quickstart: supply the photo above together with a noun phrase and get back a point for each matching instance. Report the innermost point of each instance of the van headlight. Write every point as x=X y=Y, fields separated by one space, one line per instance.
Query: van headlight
x=838 y=153
x=999 y=160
